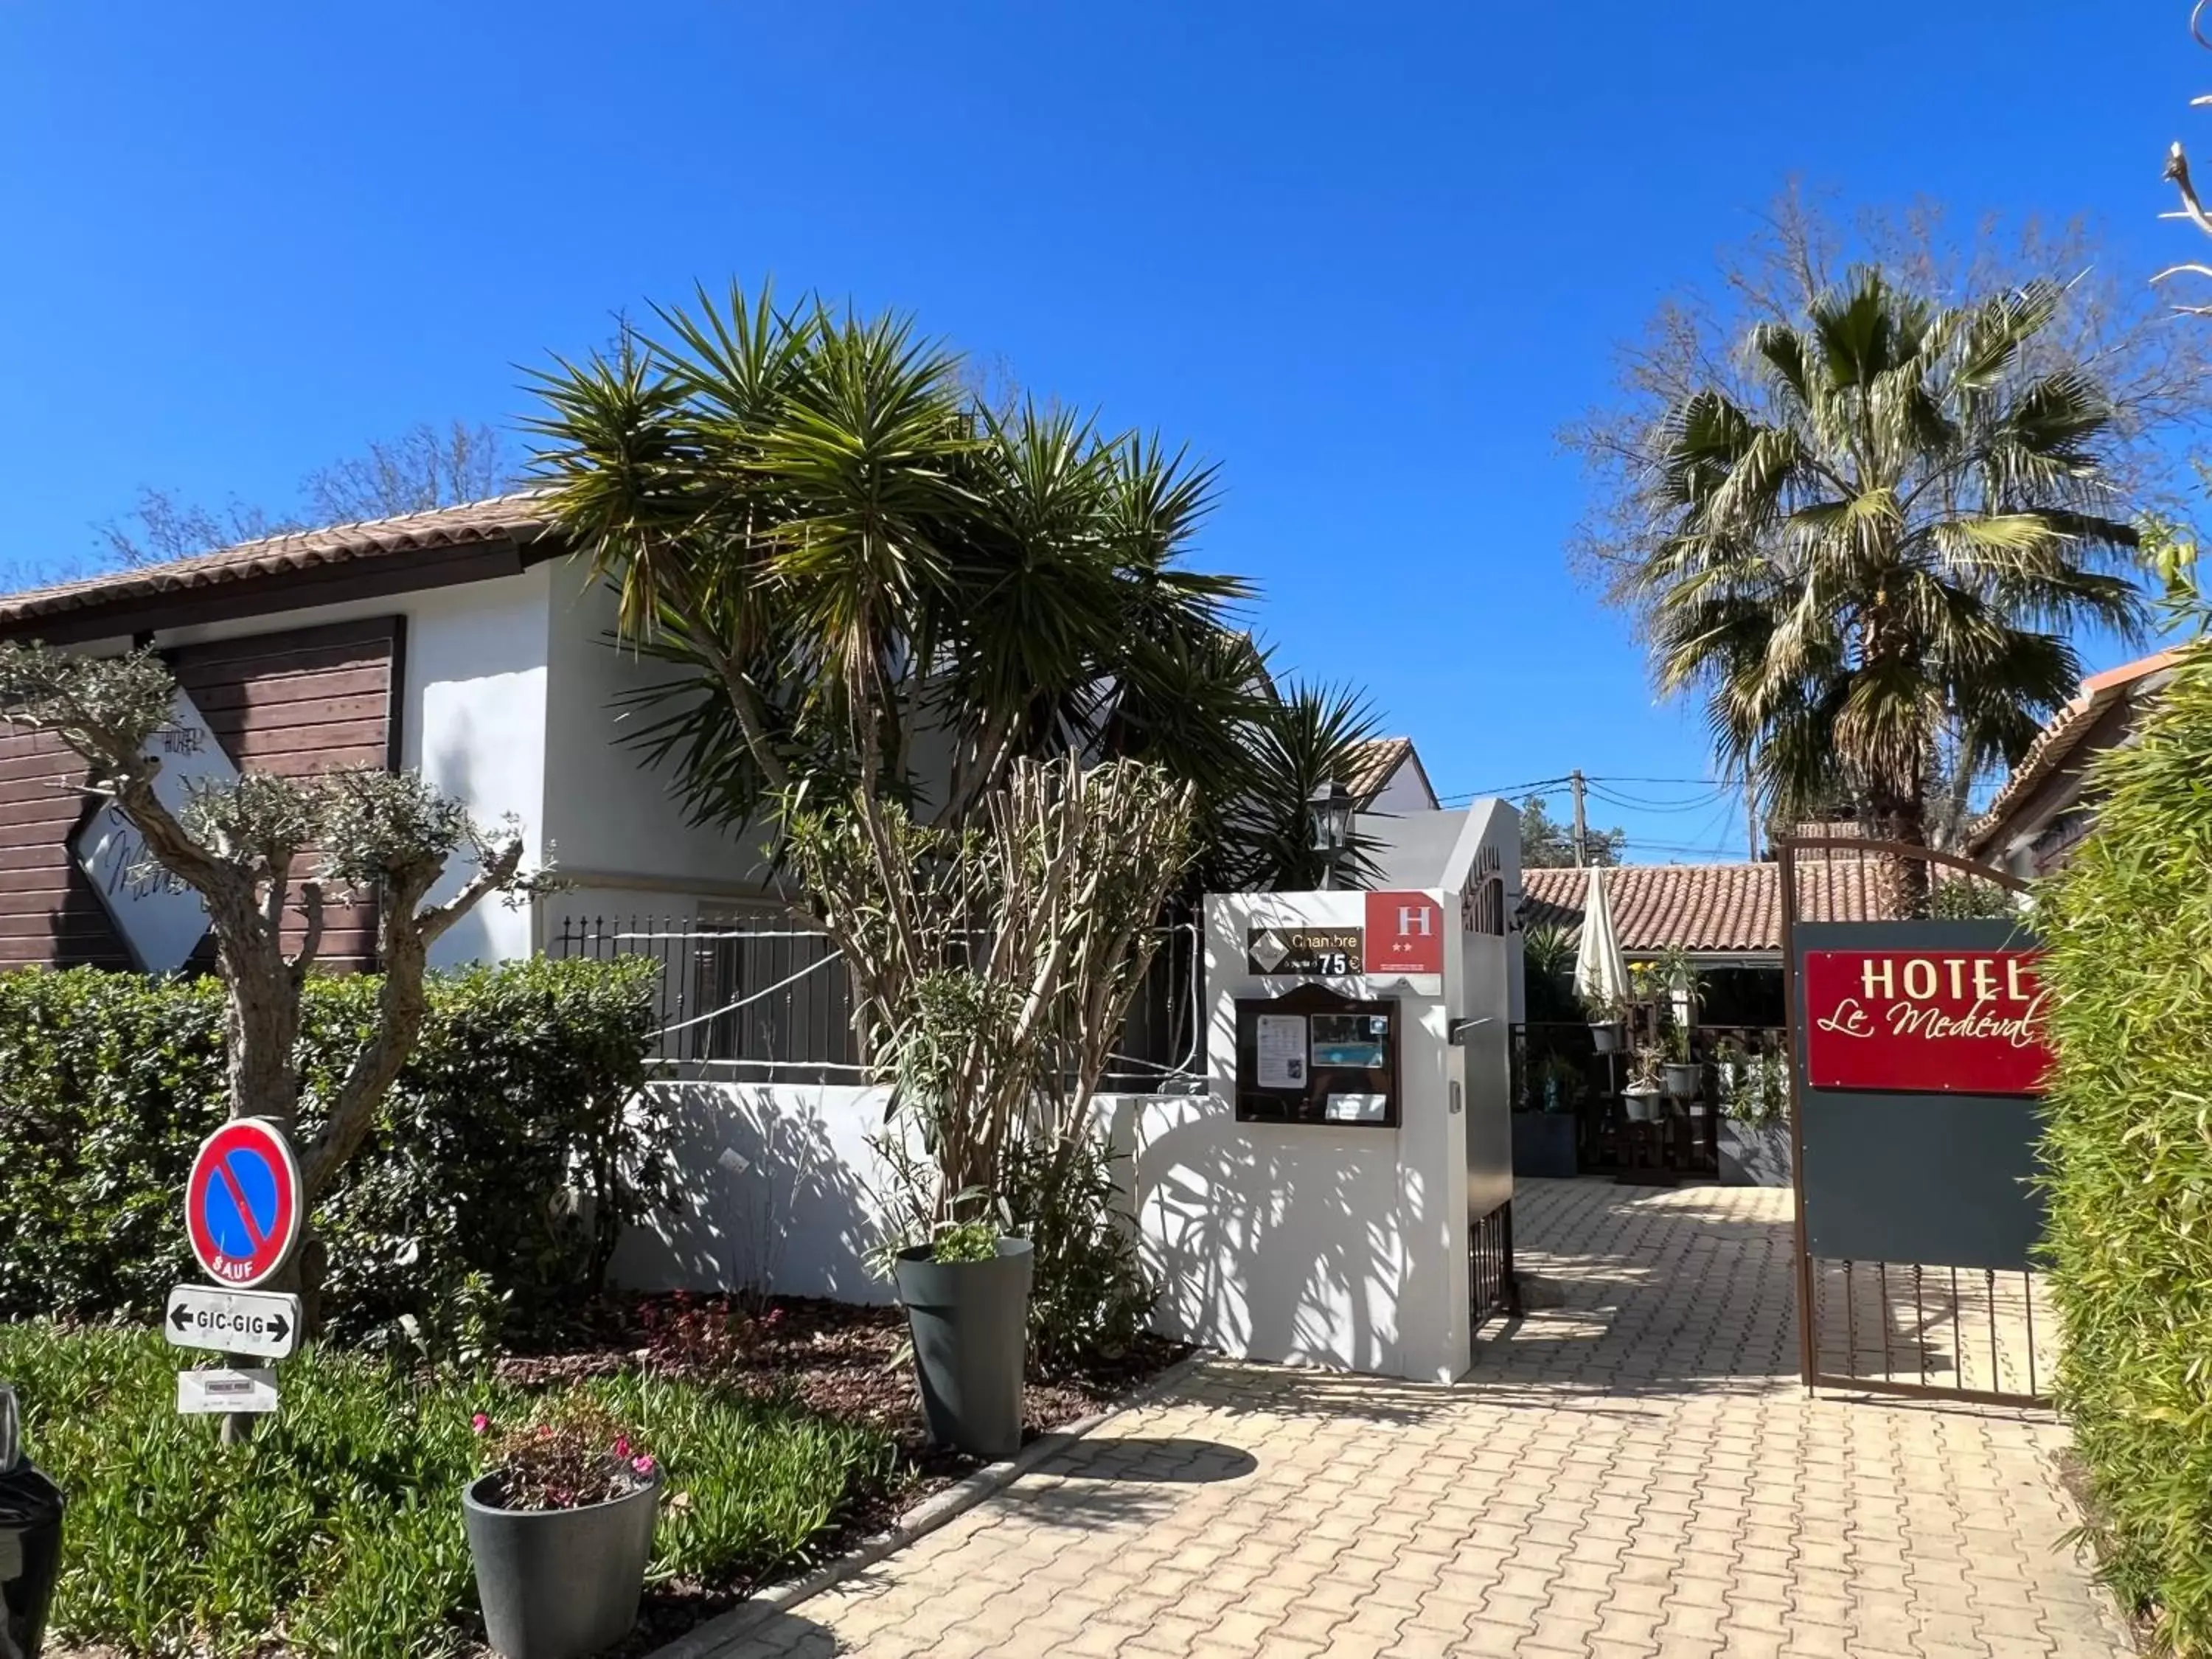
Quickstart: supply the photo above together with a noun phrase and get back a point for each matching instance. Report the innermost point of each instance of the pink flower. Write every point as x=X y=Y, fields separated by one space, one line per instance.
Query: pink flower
x=480 y=1423
x=642 y=1464
x=544 y=1430
x=622 y=1445
x=775 y=1315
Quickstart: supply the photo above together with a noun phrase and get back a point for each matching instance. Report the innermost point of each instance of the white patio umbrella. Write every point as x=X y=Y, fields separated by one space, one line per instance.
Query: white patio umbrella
x=1601 y=971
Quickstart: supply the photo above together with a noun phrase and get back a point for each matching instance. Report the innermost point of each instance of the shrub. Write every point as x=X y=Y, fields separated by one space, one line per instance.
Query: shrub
x=512 y=1149
x=1090 y=1297
x=336 y=1531
x=2129 y=1159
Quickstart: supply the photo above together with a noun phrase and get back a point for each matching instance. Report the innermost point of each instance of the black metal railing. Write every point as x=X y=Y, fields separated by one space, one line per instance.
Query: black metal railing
x=1557 y=1066
x=763 y=999
x=1491 y=1289
x=1976 y=1333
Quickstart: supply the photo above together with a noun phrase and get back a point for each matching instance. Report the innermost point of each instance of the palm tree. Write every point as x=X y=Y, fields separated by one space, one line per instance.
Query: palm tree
x=1871 y=562
x=870 y=585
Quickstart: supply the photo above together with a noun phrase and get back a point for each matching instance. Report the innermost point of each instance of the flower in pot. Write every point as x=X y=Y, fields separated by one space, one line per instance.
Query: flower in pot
x=1609 y=1019
x=560 y=1527
x=967 y=1298
x=1641 y=1093
x=1679 y=1076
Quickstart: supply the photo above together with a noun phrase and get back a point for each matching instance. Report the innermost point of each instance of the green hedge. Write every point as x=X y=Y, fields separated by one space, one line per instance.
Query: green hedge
x=2128 y=1155
x=504 y=1161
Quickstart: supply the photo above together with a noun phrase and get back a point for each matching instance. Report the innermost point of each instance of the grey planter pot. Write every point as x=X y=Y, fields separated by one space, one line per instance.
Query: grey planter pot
x=1605 y=1036
x=1754 y=1156
x=1544 y=1144
x=1682 y=1078
x=970 y=1320
x=559 y=1584
x=1641 y=1104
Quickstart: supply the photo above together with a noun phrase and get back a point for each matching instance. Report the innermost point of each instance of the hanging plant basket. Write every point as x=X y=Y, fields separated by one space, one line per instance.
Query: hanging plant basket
x=1682 y=1076
x=1606 y=1036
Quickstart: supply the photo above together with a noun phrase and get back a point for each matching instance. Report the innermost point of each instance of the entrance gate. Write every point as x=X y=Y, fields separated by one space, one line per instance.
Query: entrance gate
x=1916 y=1054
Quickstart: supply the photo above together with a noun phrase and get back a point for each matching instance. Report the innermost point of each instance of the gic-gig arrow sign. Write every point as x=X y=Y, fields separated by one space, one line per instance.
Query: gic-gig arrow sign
x=233 y=1322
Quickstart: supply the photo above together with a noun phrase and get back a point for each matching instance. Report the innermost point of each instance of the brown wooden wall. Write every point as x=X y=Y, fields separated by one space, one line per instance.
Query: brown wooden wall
x=294 y=703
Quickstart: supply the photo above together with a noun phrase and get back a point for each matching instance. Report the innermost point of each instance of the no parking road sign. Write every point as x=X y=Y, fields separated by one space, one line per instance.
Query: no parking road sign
x=242 y=1209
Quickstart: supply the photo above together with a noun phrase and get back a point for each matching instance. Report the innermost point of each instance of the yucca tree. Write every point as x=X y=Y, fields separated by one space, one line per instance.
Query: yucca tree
x=873 y=587
x=1873 y=563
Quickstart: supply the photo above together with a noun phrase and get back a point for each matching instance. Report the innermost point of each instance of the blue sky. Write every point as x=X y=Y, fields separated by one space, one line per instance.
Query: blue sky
x=1368 y=258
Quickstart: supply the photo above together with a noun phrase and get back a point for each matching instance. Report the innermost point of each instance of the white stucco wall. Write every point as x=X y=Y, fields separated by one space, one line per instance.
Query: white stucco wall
x=618 y=828
x=1407 y=790
x=473 y=715
x=778 y=1183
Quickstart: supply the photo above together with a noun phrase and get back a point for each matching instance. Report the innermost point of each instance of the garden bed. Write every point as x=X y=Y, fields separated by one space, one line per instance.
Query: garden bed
x=789 y=1432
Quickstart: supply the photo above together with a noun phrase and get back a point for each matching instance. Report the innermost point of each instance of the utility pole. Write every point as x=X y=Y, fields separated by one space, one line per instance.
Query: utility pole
x=1750 y=816
x=1582 y=825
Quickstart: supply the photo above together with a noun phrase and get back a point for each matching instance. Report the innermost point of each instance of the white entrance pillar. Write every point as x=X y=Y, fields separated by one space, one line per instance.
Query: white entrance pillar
x=1329 y=1241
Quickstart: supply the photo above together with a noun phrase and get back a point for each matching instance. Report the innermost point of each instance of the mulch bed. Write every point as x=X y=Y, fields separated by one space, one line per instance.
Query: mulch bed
x=840 y=1358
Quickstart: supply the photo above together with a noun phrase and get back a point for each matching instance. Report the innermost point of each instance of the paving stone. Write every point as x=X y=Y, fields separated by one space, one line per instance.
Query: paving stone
x=1629 y=1471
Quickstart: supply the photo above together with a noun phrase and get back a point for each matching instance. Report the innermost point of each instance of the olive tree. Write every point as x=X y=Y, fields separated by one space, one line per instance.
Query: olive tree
x=250 y=848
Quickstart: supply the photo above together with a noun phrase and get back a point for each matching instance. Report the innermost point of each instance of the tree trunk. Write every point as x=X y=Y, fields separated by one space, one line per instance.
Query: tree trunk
x=1904 y=880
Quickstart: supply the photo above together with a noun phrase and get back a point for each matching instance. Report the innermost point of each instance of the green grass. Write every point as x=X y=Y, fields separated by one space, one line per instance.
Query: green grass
x=336 y=1530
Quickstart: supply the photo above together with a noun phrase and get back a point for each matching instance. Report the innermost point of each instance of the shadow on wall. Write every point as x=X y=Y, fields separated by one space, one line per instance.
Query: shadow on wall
x=1270 y=1244
x=775 y=1193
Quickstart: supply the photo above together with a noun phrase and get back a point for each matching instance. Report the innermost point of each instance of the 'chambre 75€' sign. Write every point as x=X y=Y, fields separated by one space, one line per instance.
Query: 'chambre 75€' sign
x=1956 y=1022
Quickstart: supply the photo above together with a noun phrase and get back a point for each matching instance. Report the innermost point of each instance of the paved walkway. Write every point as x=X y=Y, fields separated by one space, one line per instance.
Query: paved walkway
x=1629 y=1471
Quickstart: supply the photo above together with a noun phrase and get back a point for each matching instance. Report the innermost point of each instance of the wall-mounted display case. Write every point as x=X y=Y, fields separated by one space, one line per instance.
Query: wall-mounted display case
x=1313 y=1055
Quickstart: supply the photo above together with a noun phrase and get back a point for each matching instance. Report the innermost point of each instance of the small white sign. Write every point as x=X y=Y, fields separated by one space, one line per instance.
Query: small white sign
x=254 y=1322
x=1358 y=1108
x=159 y=916
x=203 y=1394
x=1281 y=1056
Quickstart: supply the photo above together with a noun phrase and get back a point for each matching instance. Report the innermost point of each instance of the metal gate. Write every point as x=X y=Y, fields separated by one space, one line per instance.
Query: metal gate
x=1917 y=1059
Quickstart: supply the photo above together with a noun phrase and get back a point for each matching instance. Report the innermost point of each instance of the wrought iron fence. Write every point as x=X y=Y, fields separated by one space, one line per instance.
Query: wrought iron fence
x=761 y=999
x=1491 y=1286
x=1975 y=1334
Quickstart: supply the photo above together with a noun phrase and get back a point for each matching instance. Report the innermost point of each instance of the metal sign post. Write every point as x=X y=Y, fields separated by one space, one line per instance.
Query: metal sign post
x=244 y=1212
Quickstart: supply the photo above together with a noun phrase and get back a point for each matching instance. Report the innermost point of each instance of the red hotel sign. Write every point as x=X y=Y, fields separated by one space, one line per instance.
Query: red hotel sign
x=1405 y=934
x=1967 y=1022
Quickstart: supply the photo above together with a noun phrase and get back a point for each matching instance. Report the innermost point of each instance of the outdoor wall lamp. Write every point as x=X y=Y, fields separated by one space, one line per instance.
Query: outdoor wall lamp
x=1331 y=810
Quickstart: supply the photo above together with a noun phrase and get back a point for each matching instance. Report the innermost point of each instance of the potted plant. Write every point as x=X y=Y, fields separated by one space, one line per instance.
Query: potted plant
x=1608 y=1022
x=1544 y=1133
x=560 y=1527
x=967 y=1299
x=1754 y=1127
x=1680 y=1073
x=1641 y=1094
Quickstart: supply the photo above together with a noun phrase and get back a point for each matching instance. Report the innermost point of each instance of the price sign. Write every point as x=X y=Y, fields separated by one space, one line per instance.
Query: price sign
x=1309 y=952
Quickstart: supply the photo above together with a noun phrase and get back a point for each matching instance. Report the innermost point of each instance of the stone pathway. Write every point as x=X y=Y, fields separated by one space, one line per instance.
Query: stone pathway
x=1630 y=1470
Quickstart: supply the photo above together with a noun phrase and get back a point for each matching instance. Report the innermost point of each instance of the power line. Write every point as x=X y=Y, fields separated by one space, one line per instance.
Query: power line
x=1553 y=786
x=1635 y=804
x=1508 y=789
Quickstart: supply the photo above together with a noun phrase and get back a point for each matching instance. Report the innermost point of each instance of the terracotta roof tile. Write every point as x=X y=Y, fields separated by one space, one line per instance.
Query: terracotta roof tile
x=1373 y=762
x=516 y=518
x=2058 y=738
x=1707 y=907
